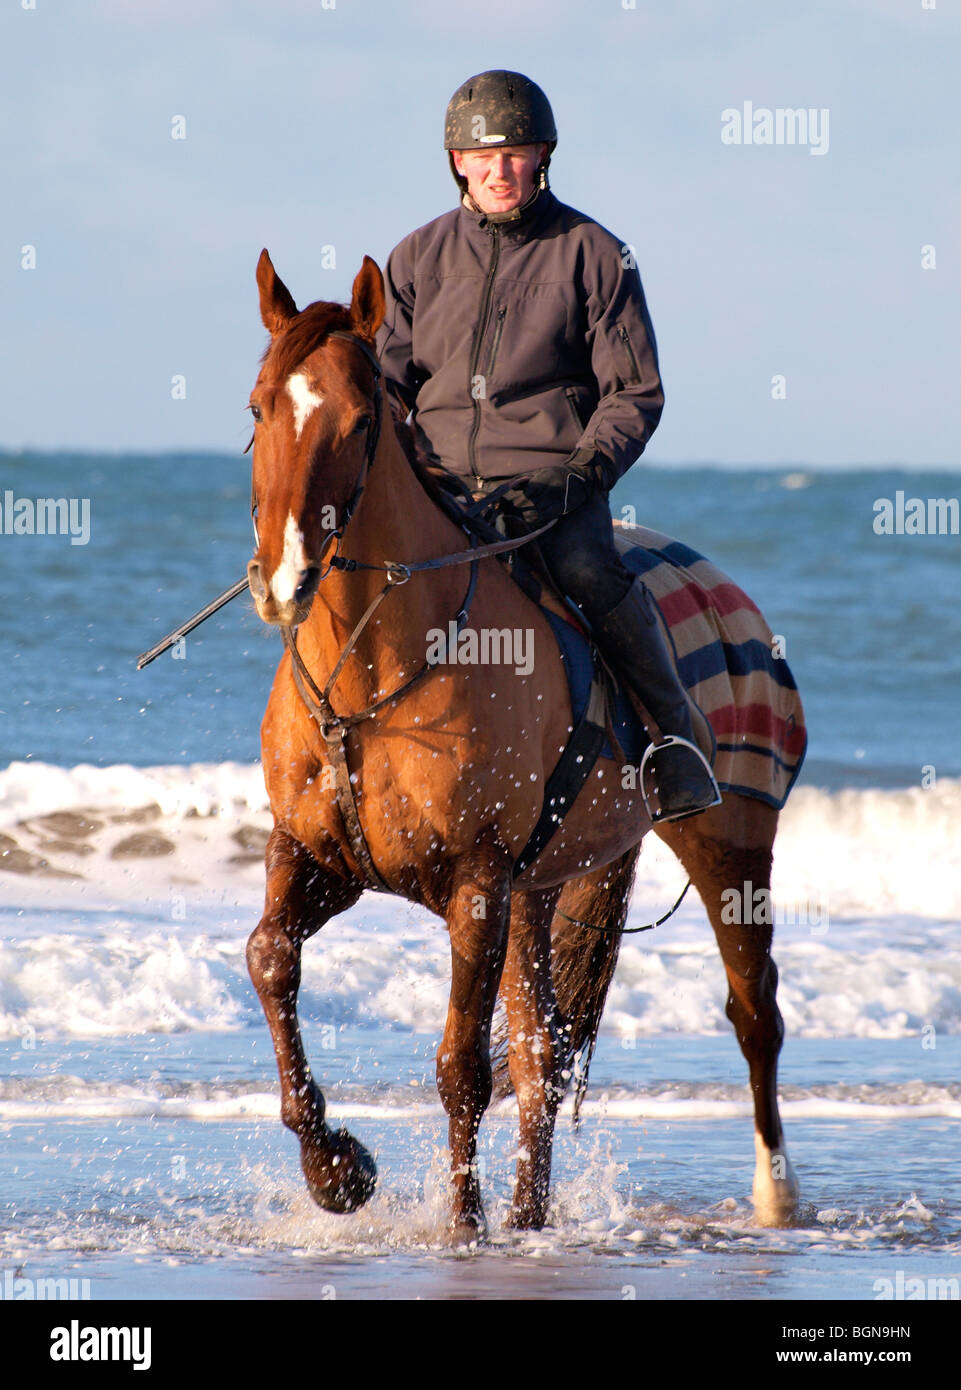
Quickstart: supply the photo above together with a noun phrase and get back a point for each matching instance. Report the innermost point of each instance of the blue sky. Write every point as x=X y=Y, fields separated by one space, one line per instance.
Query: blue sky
x=309 y=127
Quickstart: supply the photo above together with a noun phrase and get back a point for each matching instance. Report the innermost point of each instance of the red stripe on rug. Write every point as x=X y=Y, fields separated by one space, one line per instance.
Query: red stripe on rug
x=692 y=599
x=758 y=721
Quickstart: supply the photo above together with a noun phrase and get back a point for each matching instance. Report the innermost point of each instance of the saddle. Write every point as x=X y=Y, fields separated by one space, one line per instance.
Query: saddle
x=608 y=718
x=476 y=514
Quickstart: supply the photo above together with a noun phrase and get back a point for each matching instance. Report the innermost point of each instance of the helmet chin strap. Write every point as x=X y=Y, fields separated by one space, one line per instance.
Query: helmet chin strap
x=515 y=213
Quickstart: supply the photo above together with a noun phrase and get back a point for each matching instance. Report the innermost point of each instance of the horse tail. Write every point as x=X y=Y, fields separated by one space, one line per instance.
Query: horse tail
x=582 y=967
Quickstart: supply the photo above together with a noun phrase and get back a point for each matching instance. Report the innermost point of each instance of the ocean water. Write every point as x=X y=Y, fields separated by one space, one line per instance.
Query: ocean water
x=872 y=628
x=138 y=1095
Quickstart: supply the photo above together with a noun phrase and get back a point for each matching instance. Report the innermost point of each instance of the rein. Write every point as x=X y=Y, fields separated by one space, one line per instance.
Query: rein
x=334 y=727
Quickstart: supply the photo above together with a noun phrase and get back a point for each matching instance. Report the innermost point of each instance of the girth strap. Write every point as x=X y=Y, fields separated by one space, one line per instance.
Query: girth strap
x=574 y=766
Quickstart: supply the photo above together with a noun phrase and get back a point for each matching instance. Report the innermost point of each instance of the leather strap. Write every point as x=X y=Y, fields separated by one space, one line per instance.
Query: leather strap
x=334 y=728
x=574 y=766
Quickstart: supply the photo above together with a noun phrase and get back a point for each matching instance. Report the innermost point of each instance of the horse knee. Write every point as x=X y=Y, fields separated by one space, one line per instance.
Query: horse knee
x=755 y=1015
x=273 y=961
x=464 y=1079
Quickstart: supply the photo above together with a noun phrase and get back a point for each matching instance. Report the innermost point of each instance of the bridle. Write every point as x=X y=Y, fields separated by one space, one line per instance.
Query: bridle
x=332 y=726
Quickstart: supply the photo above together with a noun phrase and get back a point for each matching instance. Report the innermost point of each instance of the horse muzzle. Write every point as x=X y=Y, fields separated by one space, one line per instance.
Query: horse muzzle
x=284 y=610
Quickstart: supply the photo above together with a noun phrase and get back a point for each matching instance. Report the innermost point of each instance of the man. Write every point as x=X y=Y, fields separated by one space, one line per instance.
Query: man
x=518 y=337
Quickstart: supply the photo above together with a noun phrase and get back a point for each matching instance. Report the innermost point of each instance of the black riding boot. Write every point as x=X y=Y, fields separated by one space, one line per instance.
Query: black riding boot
x=630 y=638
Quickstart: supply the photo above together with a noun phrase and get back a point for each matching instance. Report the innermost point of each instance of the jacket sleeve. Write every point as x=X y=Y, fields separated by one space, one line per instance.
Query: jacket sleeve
x=623 y=354
x=395 y=335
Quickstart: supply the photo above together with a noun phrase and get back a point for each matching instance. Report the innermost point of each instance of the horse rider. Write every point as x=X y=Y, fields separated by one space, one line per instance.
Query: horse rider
x=518 y=338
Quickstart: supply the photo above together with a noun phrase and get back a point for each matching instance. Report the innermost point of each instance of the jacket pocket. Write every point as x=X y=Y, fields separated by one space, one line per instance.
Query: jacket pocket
x=571 y=394
x=632 y=372
x=495 y=345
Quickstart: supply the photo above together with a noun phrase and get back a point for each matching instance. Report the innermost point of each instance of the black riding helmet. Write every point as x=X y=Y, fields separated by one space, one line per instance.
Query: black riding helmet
x=498 y=108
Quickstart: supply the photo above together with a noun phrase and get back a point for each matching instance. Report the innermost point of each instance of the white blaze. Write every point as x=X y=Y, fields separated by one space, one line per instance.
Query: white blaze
x=305 y=401
x=287 y=575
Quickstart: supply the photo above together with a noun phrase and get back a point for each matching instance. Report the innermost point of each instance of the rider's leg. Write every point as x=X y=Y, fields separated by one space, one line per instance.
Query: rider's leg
x=580 y=553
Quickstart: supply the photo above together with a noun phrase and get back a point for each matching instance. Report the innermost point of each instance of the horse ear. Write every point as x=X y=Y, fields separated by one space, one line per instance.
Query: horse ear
x=367 y=305
x=277 y=305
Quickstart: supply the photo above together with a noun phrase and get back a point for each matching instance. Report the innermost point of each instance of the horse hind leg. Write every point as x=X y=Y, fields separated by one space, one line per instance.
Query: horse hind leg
x=478 y=914
x=301 y=896
x=581 y=964
x=535 y=1051
x=728 y=851
x=583 y=957
x=554 y=1009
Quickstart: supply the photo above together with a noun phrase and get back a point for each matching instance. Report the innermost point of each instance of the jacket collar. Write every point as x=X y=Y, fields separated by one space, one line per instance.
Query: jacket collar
x=520 y=228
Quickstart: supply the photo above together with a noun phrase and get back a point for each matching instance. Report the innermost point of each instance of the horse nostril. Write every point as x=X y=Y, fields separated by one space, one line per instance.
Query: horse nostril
x=255 y=580
x=308 y=584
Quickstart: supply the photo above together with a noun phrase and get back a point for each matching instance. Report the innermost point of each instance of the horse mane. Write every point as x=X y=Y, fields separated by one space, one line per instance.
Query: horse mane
x=302 y=336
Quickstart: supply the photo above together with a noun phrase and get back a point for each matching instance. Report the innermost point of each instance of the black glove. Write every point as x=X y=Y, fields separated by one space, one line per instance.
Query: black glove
x=558 y=489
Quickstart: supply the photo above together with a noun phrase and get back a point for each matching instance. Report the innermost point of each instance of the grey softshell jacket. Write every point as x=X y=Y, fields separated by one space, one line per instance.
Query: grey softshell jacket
x=521 y=344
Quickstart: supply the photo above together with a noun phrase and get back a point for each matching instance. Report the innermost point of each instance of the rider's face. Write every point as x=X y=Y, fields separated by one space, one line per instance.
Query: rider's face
x=500 y=180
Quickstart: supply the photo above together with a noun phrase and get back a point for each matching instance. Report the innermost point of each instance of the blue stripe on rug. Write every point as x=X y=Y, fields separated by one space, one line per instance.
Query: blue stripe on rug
x=736 y=659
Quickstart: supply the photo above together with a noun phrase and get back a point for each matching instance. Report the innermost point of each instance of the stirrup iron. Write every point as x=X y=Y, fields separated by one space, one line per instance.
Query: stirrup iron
x=700 y=800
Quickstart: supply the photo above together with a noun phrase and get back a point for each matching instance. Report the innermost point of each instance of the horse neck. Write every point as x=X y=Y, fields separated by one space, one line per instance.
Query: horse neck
x=396 y=521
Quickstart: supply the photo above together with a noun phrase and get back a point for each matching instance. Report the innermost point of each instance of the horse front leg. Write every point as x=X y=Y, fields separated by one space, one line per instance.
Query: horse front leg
x=477 y=918
x=535 y=1053
x=301 y=896
x=722 y=850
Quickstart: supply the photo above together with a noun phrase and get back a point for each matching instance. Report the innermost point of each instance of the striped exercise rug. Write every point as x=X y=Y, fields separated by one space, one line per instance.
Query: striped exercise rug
x=726 y=657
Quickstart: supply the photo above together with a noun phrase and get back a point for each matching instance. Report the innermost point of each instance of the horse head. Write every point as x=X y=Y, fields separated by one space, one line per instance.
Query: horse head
x=317 y=407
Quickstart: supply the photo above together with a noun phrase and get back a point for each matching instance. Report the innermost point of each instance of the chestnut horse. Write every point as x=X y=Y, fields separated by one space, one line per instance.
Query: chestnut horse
x=447 y=779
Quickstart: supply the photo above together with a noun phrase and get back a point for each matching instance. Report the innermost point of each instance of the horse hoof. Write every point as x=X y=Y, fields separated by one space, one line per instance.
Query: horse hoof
x=775 y=1211
x=525 y=1220
x=342 y=1176
x=465 y=1231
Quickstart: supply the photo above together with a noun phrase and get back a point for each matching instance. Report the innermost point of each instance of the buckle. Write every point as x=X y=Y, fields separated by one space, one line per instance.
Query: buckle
x=334 y=536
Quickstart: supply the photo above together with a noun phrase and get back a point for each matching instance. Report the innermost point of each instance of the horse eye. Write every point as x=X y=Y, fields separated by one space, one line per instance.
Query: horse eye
x=362 y=424
x=255 y=412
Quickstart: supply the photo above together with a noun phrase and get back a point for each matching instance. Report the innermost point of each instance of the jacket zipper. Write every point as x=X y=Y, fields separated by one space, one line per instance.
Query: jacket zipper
x=497 y=338
x=479 y=332
x=571 y=395
x=625 y=338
